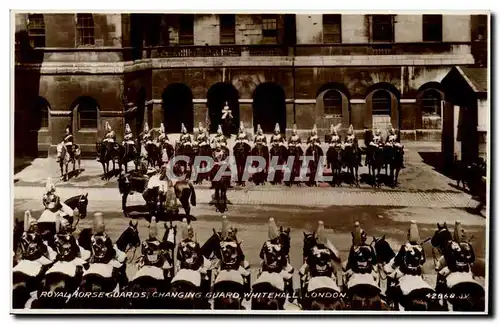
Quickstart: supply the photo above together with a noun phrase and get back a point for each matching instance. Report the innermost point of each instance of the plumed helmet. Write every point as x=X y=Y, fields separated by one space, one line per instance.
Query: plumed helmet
x=191 y=234
x=351 y=130
x=99 y=227
x=49 y=185
x=162 y=128
x=294 y=129
x=277 y=128
x=377 y=132
x=225 y=227
x=332 y=129
x=107 y=126
x=200 y=126
x=357 y=235
x=272 y=229
x=315 y=129
x=226 y=105
x=321 y=233
x=164 y=156
x=28 y=221
x=127 y=128
x=459 y=233
x=183 y=128
x=413 y=235
x=219 y=129
x=146 y=127
x=259 y=129
x=153 y=228
x=242 y=126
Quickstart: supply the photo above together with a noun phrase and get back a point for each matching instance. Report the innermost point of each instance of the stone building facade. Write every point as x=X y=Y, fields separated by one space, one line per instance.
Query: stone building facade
x=371 y=71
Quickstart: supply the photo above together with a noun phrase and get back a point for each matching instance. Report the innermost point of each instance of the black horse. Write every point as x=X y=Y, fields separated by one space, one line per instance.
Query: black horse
x=316 y=153
x=221 y=184
x=393 y=157
x=206 y=151
x=107 y=152
x=127 y=153
x=241 y=151
x=334 y=163
x=279 y=152
x=295 y=151
x=352 y=158
x=153 y=153
x=375 y=161
x=183 y=166
x=260 y=177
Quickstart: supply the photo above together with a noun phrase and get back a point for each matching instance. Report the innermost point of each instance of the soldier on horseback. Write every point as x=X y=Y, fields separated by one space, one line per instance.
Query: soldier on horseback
x=162 y=138
x=242 y=136
x=260 y=138
x=54 y=207
x=202 y=138
x=410 y=257
x=185 y=138
x=362 y=258
x=109 y=136
x=68 y=141
x=335 y=140
x=151 y=250
x=352 y=141
x=146 y=135
x=129 y=136
x=392 y=141
x=219 y=138
x=377 y=139
x=294 y=139
x=276 y=138
x=314 y=138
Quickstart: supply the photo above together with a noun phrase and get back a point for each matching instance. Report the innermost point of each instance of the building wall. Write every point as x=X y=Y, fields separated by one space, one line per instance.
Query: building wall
x=309 y=29
x=206 y=30
x=408 y=28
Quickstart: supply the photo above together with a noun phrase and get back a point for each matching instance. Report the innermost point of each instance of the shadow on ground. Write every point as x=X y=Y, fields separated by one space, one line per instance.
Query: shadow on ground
x=141 y=211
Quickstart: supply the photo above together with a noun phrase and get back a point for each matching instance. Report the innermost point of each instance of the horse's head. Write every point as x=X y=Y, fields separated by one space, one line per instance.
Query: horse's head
x=129 y=237
x=61 y=151
x=102 y=248
x=309 y=243
x=441 y=237
x=382 y=249
x=32 y=246
x=82 y=204
x=66 y=246
x=18 y=233
x=285 y=238
x=211 y=245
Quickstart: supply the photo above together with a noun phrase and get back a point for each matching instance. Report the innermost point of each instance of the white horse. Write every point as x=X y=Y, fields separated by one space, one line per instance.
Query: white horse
x=64 y=158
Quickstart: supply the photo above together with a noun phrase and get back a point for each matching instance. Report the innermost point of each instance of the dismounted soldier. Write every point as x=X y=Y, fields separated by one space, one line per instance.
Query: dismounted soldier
x=226 y=112
x=163 y=136
x=146 y=135
x=219 y=137
x=68 y=140
x=314 y=138
x=242 y=136
x=277 y=139
x=109 y=136
x=185 y=138
x=334 y=136
x=260 y=138
x=295 y=138
x=227 y=120
x=202 y=138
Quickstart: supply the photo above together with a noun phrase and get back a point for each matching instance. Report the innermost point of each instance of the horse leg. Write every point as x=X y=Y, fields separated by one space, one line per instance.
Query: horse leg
x=124 y=203
x=103 y=171
x=356 y=179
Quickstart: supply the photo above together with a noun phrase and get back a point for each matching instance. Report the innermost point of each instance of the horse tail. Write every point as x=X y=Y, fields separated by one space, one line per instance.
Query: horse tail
x=193 y=194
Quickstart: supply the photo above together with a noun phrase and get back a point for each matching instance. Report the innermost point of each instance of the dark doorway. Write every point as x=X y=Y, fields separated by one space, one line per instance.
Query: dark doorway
x=217 y=96
x=269 y=107
x=139 y=113
x=177 y=108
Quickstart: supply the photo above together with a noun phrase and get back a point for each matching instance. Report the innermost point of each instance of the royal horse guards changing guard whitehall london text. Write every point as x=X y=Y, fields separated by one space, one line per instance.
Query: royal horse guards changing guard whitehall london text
x=293 y=163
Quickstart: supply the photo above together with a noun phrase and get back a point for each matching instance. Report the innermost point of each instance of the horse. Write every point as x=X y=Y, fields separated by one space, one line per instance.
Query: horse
x=334 y=163
x=316 y=153
x=164 y=145
x=188 y=151
x=352 y=159
x=460 y=281
x=127 y=152
x=375 y=161
x=221 y=186
x=206 y=151
x=107 y=152
x=296 y=152
x=261 y=150
x=409 y=293
x=241 y=150
x=153 y=153
x=279 y=151
x=65 y=157
x=394 y=158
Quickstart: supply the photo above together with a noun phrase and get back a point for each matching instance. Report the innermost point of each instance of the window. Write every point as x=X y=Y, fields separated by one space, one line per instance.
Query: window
x=432 y=28
x=85 y=29
x=381 y=103
x=332 y=102
x=87 y=114
x=382 y=28
x=479 y=27
x=270 y=29
x=227 y=29
x=431 y=103
x=41 y=114
x=36 y=30
x=332 y=29
x=186 y=25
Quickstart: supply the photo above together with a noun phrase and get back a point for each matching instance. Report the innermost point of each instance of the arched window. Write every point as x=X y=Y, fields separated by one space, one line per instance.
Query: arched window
x=87 y=114
x=41 y=114
x=332 y=102
x=381 y=103
x=431 y=103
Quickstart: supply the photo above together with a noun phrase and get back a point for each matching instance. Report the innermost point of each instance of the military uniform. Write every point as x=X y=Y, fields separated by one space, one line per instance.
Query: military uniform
x=110 y=136
x=260 y=138
x=392 y=141
x=277 y=139
x=185 y=138
x=68 y=142
x=242 y=135
x=226 y=113
x=129 y=137
x=54 y=208
x=146 y=135
x=163 y=136
x=294 y=139
x=202 y=138
x=377 y=139
x=314 y=138
x=351 y=138
x=219 y=138
x=274 y=258
x=334 y=136
x=362 y=258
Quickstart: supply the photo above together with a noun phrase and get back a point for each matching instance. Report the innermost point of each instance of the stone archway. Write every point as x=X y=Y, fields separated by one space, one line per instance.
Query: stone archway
x=217 y=96
x=382 y=107
x=177 y=103
x=269 y=107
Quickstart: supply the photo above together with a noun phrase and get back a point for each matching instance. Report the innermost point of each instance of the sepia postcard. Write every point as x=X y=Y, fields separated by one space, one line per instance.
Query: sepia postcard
x=296 y=163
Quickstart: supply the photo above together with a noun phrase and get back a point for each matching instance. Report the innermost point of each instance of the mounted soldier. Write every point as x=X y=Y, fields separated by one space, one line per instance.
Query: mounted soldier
x=54 y=208
x=260 y=138
x=242 y=136
x=277 y=138
x=314 y=138
x=162 y=138
x=151 y=252
x=227 y=119
x=352 y=141
x=109 y=137
x=295 y=138
x=68 y=141
x=185 y=138
x=334 y=137
x=377 y=139
x=219 y=138
x=392 y=141
x=128 y=139
x=202 y=138
x=146 y=137
x=362 y=258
